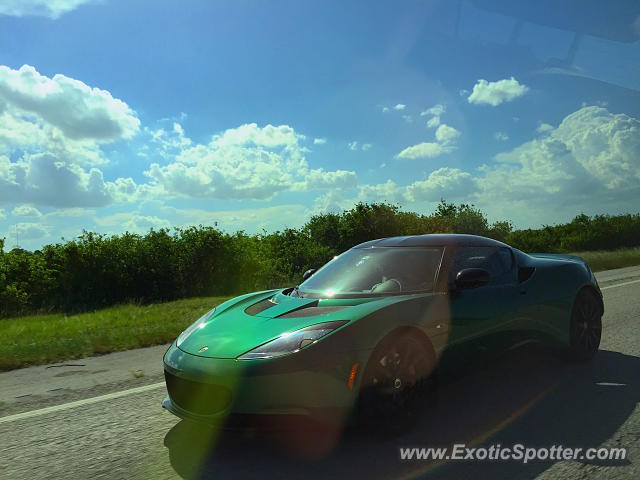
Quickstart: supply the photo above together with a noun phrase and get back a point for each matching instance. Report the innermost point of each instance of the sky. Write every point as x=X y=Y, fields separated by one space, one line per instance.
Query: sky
x=124 y=116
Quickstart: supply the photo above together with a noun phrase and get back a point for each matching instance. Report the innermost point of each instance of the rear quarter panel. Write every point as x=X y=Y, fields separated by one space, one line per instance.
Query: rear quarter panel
x=550 y=293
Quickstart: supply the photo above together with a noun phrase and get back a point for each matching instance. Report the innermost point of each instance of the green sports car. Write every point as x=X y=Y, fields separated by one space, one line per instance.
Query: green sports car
x=368 y=331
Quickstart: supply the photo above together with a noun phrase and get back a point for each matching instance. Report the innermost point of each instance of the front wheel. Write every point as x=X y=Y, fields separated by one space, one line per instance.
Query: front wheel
x=586 y=326
x=397 y=381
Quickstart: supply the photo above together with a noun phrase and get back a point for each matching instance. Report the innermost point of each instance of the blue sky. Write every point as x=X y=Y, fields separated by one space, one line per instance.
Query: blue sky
x=130 y=115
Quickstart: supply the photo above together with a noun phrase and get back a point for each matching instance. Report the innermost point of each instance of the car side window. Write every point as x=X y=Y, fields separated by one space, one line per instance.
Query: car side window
x=498 y=261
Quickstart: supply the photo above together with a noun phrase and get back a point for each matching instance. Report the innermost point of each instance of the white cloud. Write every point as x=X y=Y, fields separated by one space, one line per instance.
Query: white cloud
x=598 y=103
x=50 y=227
x=495 y=93
x=437 y=110
x=501 y=136
x=43 y=179
x=244 y=162
x=407 y=118
x=124 y=190
x=590 y=162
x=169 y=141
x=435 y=113
x=71 y=212
x=606 y=145
x=433 y=122
x=385 y=109
x=2 y=214
x=422 y=150
x=355 y=145
x=144 y=223
x=445 y=143
x=400 y=106
x=131 y=222
x=80 y=112
x=45 y=8
x=449 y=183
x=382 y=192
x=250 y=220
x=544 y=128
x=26 y=211
x=250 y=134
x=446 y=134
x=30 y=231
x=51 y=135
x=318 y=178
x=332 y=201
x=319 y=141
x=20 y=134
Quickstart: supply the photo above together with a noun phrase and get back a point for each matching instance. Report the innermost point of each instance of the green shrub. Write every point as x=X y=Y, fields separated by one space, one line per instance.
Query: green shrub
x=94 y=271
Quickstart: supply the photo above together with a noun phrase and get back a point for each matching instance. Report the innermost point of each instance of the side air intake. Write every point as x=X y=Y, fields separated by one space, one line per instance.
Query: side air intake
x=525 y=273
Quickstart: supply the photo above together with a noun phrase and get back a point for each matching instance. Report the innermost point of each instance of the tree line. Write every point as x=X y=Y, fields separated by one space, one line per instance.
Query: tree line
x=94 y=270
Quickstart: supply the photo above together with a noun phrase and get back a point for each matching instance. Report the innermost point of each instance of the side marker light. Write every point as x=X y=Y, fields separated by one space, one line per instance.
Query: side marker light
x=352 y=375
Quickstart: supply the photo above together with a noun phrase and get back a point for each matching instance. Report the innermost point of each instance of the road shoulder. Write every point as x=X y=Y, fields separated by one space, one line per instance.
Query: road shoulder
x=46 y=385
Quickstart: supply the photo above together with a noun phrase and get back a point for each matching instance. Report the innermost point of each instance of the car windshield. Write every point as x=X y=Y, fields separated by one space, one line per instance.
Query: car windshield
x=375 y=271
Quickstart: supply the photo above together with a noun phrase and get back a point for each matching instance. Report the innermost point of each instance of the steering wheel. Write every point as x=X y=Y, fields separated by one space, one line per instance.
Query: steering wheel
x=387 y=281
x=397 y=281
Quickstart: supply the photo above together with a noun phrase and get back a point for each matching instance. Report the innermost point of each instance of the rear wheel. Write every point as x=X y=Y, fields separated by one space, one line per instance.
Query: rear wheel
x=396 y=383
x=586 y=326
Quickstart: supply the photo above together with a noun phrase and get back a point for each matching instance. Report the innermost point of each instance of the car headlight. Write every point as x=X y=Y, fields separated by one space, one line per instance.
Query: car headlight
x=291 y=342
x=200 y=323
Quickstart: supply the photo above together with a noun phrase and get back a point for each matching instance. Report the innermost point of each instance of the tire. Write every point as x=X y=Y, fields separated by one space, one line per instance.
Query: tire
x=397 y=384
x=585 y=328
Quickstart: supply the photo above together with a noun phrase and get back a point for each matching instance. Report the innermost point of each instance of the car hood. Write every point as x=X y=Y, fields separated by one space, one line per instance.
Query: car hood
x=243 y=323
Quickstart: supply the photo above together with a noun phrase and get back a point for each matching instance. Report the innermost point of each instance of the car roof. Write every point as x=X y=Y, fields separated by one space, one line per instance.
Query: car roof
x=434 y=240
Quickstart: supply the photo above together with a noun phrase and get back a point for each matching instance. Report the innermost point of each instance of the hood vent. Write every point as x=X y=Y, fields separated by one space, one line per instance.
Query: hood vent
x=311 y=311
x=261 y=306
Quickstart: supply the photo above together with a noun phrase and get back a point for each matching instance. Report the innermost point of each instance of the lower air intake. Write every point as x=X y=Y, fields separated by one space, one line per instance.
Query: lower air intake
x=196 y=397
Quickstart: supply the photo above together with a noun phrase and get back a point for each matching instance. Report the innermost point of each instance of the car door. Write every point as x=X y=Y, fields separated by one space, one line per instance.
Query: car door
x=482 y=318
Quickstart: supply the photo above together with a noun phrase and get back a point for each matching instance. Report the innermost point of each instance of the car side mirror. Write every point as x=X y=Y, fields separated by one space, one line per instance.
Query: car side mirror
x=308 y=273
x=472 y=278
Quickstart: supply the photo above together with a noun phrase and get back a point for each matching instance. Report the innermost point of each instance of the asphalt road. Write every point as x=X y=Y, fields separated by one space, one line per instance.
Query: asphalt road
x=526 y=396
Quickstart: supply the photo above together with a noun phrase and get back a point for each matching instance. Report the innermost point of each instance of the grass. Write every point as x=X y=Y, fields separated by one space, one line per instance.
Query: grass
x=609 y=259
x=40 y=339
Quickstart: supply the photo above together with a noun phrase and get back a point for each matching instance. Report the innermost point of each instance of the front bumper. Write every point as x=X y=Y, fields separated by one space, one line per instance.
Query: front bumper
x=269 y=422
x=218 y=391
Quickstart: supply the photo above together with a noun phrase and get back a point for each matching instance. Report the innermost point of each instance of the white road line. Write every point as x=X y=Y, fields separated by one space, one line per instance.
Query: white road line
x=620 y=284
x=78 y=403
